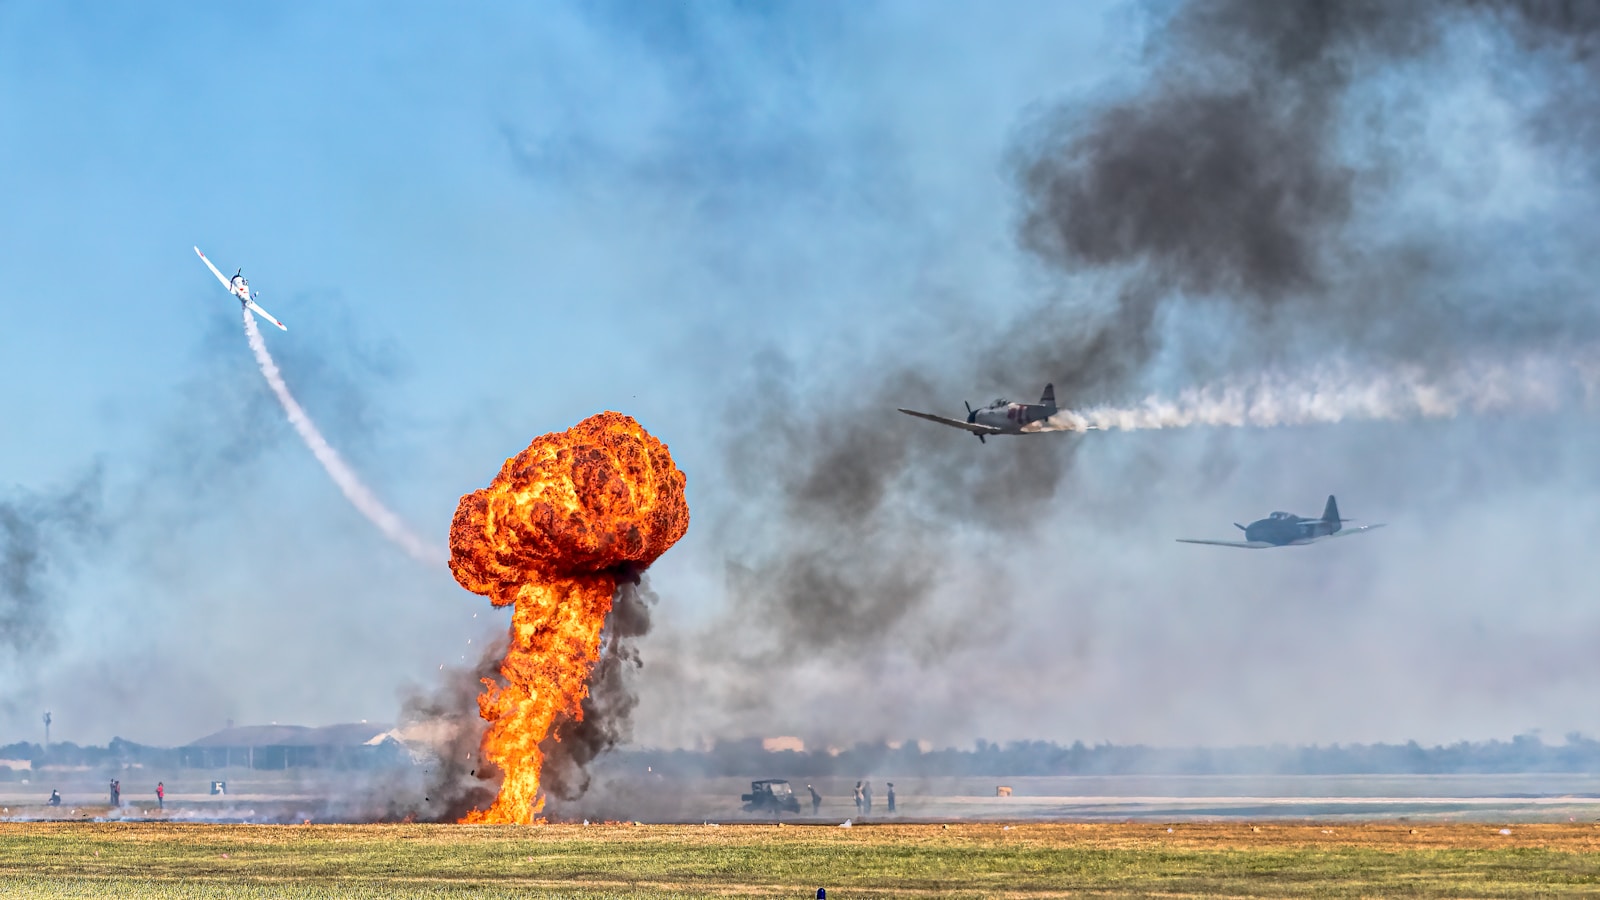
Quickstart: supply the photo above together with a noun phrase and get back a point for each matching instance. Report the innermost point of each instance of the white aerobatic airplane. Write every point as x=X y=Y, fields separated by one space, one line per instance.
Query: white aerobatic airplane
x=239 y=287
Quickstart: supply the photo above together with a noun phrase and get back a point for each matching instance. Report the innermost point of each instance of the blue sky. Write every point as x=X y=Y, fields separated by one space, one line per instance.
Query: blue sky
x=510 y=187
x=484 y=223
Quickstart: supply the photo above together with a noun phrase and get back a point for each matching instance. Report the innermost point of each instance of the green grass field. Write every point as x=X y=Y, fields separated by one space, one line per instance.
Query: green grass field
x=989 y=860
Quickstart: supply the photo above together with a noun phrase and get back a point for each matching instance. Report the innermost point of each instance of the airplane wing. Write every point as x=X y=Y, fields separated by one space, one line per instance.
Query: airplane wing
x=973 y=427
x=265 y=315
x=1242 y=545
x=225 y=283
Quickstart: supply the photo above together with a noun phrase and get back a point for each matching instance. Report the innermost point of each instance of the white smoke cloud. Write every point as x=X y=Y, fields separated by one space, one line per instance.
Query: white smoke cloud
x=1533 y=383
x=359 y=495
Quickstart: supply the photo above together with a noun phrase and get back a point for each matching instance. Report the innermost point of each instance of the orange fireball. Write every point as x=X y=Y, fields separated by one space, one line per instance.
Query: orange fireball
x=551 y=535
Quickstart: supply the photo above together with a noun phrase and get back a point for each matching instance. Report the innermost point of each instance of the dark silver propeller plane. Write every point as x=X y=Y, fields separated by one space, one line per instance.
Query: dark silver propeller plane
x=1002 y=416
x=1283 y=529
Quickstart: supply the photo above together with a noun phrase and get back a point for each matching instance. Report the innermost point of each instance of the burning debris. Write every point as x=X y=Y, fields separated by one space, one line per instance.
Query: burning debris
x=565 y=523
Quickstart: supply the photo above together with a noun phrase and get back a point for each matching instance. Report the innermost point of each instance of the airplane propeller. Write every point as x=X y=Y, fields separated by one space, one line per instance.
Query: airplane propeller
x=972 y=416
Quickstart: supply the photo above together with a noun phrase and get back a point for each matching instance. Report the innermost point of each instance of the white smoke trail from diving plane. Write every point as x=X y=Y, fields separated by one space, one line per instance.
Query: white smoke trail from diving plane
x=1527 y=384
x=357 y=493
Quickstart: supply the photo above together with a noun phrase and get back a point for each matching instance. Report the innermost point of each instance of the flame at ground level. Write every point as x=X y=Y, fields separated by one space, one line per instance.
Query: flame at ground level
x=550 y=536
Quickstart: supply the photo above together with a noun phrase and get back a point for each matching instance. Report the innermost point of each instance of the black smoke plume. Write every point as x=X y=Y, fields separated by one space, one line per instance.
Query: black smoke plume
x=40 y=535
x=607 y=712
x=445 y=720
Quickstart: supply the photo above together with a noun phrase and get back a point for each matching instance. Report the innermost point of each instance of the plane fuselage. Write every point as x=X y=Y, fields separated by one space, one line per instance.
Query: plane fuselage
x=1010 y=418
x=1283 y=528
x=1001 y=416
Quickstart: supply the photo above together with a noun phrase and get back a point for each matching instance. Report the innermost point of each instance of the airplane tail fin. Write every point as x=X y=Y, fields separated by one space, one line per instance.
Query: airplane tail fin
x=1049 y=397
x=1330 y=513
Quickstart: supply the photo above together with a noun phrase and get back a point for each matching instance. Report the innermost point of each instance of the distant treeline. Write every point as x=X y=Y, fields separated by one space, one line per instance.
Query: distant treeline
x=66 y=754
x=1524 y=753
x=1521 y=754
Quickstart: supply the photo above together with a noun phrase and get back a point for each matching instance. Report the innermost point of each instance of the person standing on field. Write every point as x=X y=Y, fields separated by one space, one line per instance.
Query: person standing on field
x=161 y=796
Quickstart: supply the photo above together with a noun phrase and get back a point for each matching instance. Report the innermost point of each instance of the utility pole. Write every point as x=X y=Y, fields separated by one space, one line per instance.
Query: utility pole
x=47 y=732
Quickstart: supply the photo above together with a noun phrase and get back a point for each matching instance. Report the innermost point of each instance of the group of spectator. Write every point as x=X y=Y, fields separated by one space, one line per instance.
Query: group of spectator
x=116 y=794
x=864 y=798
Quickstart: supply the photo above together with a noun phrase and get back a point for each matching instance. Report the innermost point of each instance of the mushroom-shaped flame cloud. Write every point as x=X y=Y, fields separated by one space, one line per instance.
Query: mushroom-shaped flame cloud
x=551 y=535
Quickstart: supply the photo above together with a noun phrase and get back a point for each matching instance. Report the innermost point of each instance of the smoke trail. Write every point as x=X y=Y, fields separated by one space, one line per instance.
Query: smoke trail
x=350 y=485
x=1531 y=383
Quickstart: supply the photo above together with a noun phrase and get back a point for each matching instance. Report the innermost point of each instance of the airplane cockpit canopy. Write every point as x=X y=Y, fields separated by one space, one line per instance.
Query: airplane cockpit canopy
x=1000 y=401
x=1281 y=515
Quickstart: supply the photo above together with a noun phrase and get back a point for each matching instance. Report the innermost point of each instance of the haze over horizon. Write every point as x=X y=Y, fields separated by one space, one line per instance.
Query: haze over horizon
x=759 y=231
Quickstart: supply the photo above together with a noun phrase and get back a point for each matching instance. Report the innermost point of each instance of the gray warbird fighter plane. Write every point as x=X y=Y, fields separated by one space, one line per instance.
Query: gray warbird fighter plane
x=239 y=287
x=1283 y=529
x=1002 y=416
